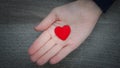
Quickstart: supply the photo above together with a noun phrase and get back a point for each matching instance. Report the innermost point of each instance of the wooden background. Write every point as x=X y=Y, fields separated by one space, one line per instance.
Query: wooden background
x=18 y=17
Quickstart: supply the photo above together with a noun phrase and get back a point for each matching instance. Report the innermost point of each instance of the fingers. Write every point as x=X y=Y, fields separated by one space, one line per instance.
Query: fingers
x=62 y=54
x=43 y=50
x=39 y=42
x=45 y=58
x=51 y=18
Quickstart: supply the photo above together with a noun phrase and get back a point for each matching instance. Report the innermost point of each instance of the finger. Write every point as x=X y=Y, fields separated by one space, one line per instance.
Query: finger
x=43 y=50
x=39 y=42
x=45 y=58
x=51 y=18
x=62 y=54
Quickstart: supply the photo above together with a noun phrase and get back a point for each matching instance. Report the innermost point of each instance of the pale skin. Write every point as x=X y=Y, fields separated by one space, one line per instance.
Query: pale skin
x=80 y=15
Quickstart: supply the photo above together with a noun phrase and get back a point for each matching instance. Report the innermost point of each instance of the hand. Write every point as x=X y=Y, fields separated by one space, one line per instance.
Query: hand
x=81 y=16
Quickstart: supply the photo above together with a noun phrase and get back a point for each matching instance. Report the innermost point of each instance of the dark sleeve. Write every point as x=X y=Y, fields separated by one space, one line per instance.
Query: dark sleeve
x=104 y=4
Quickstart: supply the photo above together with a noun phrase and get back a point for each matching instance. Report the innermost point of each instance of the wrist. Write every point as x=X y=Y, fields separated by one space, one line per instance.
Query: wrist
x=90 y=9
x=89 y=4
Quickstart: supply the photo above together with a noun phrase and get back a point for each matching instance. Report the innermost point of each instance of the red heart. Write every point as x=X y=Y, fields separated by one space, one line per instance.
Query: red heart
x=62 y=32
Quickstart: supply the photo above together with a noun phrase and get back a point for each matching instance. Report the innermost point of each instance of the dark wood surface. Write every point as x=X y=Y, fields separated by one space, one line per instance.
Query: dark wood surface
x=18 y=17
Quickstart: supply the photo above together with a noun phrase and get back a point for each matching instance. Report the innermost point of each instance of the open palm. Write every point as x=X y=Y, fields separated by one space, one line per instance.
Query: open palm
x=80 y=17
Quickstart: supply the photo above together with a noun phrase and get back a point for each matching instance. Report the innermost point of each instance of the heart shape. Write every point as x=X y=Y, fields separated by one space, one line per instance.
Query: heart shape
x=63 y=32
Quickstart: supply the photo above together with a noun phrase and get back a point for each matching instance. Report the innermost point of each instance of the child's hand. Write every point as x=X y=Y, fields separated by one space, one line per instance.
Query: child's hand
x=81 y=16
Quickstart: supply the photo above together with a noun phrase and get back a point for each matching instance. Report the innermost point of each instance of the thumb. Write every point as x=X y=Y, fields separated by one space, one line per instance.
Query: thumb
x=50 y=19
